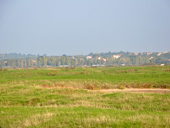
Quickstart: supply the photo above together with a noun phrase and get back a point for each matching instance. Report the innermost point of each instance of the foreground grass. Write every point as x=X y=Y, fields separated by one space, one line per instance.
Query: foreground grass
x=25 y=106
x=80 y=117
x=49 y=98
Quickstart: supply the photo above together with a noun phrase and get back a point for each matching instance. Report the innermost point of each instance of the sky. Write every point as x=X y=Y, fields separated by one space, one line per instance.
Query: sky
x=74 y=27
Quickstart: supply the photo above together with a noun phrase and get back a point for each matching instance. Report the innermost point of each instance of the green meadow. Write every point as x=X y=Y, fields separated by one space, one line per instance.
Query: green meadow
x=71 y=97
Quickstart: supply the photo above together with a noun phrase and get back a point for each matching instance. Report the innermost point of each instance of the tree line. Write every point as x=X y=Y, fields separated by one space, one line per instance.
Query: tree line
x=93 y=59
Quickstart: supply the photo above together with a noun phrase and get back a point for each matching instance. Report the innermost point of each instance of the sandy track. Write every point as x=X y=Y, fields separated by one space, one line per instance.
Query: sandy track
x=133 y=90
x=162 y=91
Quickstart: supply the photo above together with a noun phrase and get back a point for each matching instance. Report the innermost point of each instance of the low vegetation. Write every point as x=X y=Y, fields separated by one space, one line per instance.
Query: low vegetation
x=71 y=97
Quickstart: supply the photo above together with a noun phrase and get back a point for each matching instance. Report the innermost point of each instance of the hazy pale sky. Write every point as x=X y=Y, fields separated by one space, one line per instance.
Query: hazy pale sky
x=56 y=27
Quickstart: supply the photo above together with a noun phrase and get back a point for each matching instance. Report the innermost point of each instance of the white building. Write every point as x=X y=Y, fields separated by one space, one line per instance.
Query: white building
x=88 y=57
x=159 y=54
x=116 y=56
x=99 y=58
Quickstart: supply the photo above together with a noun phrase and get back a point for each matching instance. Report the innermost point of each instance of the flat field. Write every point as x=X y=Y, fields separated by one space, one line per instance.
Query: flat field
x=84 y=97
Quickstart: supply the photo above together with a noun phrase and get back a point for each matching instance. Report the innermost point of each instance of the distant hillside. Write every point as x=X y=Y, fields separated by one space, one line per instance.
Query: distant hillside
x=15 y=56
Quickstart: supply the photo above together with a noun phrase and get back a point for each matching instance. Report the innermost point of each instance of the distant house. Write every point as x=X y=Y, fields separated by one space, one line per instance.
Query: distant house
x=122 y=64
x=89 y=57
x=149 y=53
x=116 y=56
x=162 y=64
x=104 y=59
x=34 y=61
x=151 y=58
x=135 y=54
x=64 y=66
x=159 y=54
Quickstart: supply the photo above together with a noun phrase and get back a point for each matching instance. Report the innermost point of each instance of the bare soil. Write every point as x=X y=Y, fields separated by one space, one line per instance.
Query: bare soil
x=136 y=90
x=133 y=90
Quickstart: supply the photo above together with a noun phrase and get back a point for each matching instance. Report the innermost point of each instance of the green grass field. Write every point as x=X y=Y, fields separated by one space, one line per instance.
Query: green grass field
x=69 y=97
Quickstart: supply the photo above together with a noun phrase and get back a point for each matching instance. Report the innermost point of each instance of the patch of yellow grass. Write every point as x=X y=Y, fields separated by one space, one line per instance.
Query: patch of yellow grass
x=36 y=119
x=99 y=120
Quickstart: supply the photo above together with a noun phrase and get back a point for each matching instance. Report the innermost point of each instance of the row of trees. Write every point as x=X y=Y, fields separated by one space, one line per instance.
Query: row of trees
x=102 y=59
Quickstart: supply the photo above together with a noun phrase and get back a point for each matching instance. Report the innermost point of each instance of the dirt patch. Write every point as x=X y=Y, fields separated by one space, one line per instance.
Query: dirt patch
x=58 y=86
x=47 y=86
x=52 y=86
x=132 y=90
x=161 y=91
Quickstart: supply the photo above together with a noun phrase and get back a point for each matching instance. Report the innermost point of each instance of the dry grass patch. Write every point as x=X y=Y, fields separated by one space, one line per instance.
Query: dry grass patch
x=99 y=119
x=36 y=119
